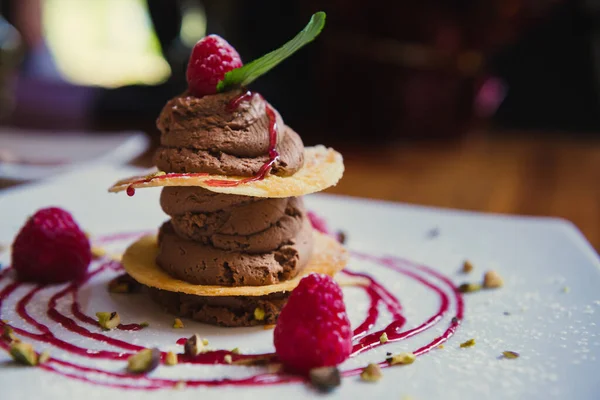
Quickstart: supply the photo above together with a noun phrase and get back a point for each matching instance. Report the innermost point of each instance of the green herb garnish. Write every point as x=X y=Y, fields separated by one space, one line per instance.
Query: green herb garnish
x=248 y=73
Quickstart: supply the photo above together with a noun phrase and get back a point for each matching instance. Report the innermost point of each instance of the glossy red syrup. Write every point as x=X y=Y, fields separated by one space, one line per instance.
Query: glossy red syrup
x=131 y=190
x=86 y=326
x=273 y=154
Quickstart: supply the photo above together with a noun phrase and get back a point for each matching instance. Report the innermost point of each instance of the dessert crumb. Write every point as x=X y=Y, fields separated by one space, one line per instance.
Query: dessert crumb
x=401 y=359
x=44 y=356
x=268 y=327
x=108 y=320
x=372 y=373
x=98 y=252
x=468 y=343
x=325 y=379
x=469 y=287
x=177 y=323
x=510 y=354
x=566 y=289
x=467 y=267
x=228 y=359
x=383 y=338
x=180 y=385
x=441 y=346
x=171 y=358
x=235 y=350
x=259 y=314
x=492 y=280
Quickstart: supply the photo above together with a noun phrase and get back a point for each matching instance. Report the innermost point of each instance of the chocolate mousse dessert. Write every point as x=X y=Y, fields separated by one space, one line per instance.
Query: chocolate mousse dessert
x=233 y=174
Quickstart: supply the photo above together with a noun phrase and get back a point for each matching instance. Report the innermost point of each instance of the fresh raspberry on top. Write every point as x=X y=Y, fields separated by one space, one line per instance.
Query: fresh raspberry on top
x=313 y=329
x=212 y=57
x=50 y=248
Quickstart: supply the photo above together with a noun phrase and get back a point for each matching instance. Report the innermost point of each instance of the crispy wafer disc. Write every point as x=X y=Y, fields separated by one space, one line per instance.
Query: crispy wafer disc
x=323 y=167
x=328 y=258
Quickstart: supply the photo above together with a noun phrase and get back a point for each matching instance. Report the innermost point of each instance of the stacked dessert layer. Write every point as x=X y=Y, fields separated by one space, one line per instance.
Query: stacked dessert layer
x=223 y=239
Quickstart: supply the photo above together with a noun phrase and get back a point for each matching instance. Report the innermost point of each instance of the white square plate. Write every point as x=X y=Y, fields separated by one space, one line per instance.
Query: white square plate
x=548 y=311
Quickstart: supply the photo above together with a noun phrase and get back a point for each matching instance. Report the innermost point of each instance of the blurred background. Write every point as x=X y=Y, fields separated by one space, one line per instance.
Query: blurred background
x=477 y=105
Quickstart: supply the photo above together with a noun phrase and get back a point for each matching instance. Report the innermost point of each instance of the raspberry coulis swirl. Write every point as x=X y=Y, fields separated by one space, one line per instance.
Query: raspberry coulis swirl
x=80 y=324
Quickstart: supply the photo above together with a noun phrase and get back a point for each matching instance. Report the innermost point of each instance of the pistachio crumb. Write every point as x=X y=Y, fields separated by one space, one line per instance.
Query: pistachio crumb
x=144 y=361
x=469 y=287
x=144 y=324
x=23 y=353
x=259 y=314
x=492 y=280
x=566 y=289
x=325 y=379
x=194 y=346
x=205 y=342
x=235 y=351
x=441 y=346
x=228 y=359
x=372 y=373
x=177 y=323
x=402 y=359
x=180 y=385
x=98 y=252
x=8 y=335
x=171 y=358
x=510 y=354
x=269 y=327
x=44 y=356
x=467 y=267
x=468 y=343
x=108 y=320
x=383 y=338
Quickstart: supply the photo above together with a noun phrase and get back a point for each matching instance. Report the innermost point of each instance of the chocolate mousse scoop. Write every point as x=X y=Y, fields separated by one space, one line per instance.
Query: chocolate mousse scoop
x=207 y=134
x=230 y=240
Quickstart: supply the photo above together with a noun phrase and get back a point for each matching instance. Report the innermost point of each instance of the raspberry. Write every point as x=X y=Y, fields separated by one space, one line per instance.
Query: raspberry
x=50 y=248
x=212 y=57
x=313 y=329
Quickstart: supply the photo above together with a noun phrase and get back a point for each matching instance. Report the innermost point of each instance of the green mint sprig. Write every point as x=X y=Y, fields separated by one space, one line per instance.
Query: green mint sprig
x=248 y=73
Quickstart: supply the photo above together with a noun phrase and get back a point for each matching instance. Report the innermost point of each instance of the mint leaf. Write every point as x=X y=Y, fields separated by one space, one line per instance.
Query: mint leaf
x=248 y=73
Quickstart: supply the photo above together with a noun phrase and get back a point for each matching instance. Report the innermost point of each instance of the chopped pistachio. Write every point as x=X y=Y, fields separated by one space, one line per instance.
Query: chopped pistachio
x=177 y=323
x=441 y=346
x=372 y=373
x=123 y=284
x=144 y=361
x=383 y=338
x=145 y=324
x=194 y=346
x=492 y=280
x=469 y=287
x=23 y=353
x=468 y=343
x=228 y=359
x=98 y=252
x=402 y=359
x=180 y=385
x=566 y=289
x=510 y=354
x=8 y=335
x=205 y=342
x=467 y=267
x=235 y=351
x=259 y=314
x=44 y=356
x=108 y=320
x=171 y=358
x=325 y=379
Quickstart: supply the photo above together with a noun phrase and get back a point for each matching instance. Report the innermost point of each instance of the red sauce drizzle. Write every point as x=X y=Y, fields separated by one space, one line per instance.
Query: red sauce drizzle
x=364 y=339
x=273 y=154
x=131 y=190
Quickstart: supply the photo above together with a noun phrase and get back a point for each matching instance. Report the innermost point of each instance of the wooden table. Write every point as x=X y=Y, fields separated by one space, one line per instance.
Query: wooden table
x=506 y=172
x=509 y=173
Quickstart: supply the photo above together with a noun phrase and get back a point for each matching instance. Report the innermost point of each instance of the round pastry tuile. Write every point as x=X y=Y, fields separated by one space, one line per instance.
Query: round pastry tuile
x=323 y=167
x=329 y=257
